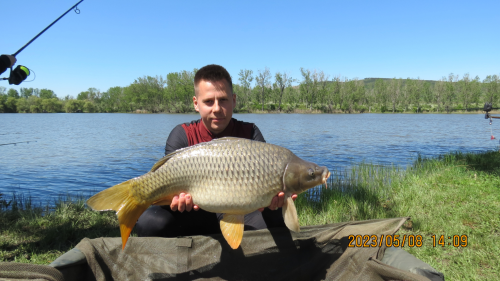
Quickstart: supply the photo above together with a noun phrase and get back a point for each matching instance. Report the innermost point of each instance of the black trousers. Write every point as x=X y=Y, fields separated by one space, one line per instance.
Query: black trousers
x=161 y=221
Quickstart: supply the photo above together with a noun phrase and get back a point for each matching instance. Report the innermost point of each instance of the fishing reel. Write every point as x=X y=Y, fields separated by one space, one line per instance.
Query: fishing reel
x=487 y=108
x=18 y=75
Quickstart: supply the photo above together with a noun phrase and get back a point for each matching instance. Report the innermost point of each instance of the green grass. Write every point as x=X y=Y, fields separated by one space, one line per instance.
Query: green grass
x=455 y=194
x=31 y=234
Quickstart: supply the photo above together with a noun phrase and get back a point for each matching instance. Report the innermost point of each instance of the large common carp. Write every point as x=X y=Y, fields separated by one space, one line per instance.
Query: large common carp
x=229 y=175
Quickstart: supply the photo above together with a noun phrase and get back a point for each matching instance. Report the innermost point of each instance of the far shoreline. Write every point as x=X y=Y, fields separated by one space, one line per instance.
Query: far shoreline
x=261 y=112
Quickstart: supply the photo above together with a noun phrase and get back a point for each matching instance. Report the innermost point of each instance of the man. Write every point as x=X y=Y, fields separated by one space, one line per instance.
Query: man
x=215 y=101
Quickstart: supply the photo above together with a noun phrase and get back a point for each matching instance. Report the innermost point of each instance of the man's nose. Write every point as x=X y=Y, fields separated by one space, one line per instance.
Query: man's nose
x=216 y=107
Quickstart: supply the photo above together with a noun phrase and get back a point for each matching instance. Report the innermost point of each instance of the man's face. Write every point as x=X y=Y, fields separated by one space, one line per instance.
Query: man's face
x=215 y=103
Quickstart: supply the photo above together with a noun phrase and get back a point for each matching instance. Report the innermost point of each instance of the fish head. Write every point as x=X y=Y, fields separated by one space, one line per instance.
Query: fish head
x=300 y=175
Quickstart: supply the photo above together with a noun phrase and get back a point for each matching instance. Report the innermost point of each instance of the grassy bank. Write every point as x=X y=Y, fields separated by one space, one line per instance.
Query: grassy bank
x=32 y=234
x=456 y=194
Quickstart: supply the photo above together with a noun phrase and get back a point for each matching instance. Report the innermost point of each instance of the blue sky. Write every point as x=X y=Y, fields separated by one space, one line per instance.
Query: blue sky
x=112 y=43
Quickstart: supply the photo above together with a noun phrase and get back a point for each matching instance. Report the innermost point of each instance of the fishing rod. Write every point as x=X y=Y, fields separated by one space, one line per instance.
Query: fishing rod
x=20 y=73
x=15 y=143
x=489 y=107
x=34 y=38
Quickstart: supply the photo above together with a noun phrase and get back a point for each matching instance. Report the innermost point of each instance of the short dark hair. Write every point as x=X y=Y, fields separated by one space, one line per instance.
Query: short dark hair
x=212 y=73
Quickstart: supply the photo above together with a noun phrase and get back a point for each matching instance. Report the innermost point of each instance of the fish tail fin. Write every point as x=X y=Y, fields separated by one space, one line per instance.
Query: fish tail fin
x=127 y=208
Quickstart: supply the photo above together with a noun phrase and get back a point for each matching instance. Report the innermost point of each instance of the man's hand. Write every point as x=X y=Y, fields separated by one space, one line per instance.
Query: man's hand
x=183 y=202
x=278 y=201
x=6 y=61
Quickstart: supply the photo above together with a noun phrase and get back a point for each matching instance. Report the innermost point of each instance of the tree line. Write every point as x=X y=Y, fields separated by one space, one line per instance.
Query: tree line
x=262 y=91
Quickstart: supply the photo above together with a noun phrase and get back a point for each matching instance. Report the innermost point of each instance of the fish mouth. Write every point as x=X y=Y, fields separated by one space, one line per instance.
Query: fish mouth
x=325 y=178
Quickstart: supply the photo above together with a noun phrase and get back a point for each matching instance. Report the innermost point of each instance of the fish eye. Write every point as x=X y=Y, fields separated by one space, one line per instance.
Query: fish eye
x=311 y=172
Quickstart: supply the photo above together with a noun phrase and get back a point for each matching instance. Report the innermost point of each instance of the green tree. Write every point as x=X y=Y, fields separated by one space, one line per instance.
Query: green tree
x=3 y=99
x=450 y=93
x=47 y=94
x=22 y=105
x=427 y=92
x=263 y=80
x=333 y=95
x=476 y=86
x=309 y=86
x=349 y=95
x=380 y=90
x=88 y=106
x=282 y=81
x=292 y=97
x=113 y=100
x=439 y=92
x=180 y=90
x=10 y=105
x=31 y=104
x=13 y=93
x=414 y=93
x=465 y=90
x=51 y=105
x=394 y=92
x=244 y=94
x=73 y=106
x=492 y=87
x=26 y=92
x=323 y=87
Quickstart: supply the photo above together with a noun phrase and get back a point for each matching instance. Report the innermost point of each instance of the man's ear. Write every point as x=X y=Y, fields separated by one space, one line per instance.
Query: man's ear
x=234 y=100
x=195 y=103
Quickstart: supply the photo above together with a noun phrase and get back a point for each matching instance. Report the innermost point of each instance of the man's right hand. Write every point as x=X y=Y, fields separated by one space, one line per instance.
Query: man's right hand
x=6 y=61
x=182 y=202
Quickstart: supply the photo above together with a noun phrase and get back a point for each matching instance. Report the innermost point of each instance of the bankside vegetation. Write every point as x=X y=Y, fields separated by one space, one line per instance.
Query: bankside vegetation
x=314 y=91
x=456 y=194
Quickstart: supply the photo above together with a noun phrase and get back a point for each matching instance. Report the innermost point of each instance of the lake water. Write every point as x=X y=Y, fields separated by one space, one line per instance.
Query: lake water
x=81 y=154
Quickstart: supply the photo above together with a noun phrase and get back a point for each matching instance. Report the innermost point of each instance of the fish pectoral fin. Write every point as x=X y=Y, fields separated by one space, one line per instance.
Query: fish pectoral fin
x=163 y=201
x=232 y=229
x=290 y=215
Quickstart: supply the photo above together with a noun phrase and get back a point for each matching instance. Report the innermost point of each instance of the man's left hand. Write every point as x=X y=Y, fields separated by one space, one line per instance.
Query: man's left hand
x=278 y=201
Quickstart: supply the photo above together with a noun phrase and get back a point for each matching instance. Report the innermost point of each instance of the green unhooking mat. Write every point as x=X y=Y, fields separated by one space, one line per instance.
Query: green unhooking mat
x=316 y=253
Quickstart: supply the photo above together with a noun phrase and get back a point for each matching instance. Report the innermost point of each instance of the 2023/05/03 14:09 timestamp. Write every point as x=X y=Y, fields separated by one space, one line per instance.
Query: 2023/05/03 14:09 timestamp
x=409 y=240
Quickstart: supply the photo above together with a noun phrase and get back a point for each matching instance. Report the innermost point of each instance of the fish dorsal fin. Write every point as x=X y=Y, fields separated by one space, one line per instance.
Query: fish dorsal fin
x=228 y=139
x=170 y=155
x=232 y=229
x=167 y=157
x=290 y=215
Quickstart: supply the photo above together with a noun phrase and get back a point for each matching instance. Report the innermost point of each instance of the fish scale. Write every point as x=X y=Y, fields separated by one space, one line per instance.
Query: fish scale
x=242 y=176
x=229 y=175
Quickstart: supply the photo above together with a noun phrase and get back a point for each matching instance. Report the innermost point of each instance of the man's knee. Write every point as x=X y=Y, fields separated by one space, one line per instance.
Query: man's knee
x=154 y=222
